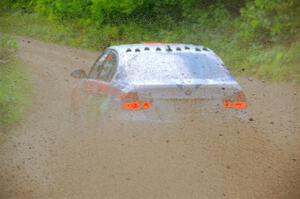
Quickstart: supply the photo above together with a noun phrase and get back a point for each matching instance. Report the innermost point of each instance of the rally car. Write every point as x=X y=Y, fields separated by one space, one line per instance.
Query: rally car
x=158 y=82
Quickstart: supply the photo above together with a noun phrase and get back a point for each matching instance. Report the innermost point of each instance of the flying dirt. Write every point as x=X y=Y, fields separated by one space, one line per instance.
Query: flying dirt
x=50 y=156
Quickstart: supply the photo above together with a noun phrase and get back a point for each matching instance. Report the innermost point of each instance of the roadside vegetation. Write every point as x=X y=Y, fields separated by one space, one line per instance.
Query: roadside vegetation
x=15 y=86
x=254 y=37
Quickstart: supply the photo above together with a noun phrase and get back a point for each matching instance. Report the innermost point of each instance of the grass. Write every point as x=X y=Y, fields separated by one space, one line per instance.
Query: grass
x=36 y=27
x=277 y=62
x=15 y=86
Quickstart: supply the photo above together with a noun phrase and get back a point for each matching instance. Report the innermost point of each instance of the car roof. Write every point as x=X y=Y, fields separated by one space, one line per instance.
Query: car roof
x=159 y=47
x=135 y=49
x=175 y=48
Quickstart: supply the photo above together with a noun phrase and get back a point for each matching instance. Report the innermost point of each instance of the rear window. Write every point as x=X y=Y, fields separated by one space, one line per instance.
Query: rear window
x=171 y=67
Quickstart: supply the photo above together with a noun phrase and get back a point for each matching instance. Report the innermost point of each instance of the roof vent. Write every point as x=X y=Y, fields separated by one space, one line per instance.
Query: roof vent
x=137 y=50
x=147 y=48
x=128 y=50
x=158 y=49
x=197 y=49
x=169 y=49
x=178 y=49
x=186 y=48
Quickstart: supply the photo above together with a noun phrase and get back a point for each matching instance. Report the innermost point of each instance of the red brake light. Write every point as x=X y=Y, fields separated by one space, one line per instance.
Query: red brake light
x=146 y=105
x=131 y=102
x=237 y=101
x=227 y=104
x=136 y=105
x=239 y=105
x=131 y=105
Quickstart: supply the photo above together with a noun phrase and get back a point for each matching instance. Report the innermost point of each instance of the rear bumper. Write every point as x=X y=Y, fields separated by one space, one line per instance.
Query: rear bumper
x=158 y=117
x=166 y=111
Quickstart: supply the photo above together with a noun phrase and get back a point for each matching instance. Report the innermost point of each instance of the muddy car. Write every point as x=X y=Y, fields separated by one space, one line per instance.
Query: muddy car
x=158 y=82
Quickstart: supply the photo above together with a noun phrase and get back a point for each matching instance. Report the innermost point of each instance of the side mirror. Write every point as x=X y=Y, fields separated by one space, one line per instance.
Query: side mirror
x=79 y=73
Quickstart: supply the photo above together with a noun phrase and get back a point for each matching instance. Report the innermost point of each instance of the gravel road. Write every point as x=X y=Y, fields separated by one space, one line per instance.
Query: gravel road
x=46 y=157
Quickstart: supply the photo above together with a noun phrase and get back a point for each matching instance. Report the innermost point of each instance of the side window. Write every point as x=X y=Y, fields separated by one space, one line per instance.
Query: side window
x=108 y=68
x=105 y=67
x=97 y=66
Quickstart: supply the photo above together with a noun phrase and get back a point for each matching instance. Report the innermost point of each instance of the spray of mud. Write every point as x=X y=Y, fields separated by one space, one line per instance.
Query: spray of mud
x=49 y=156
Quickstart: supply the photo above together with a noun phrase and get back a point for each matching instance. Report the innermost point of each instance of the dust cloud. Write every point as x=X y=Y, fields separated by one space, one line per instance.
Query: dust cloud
x=48 y=156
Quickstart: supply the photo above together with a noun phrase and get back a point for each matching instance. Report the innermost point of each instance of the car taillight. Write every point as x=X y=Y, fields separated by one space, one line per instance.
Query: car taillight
x=131 y=102
x=239 y=104
x=131 y=105
x=146 y=105
x=227 y=104
x=237 y=101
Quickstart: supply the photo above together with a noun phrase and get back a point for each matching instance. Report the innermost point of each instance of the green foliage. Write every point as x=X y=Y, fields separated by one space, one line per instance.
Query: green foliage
x=122 y=11
x=271 y=21
x=63 y=10
x=112 y=10
x=8 y=47
x=106 y=11
x=24 y=6
x=34 y=26
x=259 y=36
x=15 y=88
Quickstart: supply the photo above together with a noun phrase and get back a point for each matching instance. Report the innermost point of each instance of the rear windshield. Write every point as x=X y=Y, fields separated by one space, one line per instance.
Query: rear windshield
x=173 y=67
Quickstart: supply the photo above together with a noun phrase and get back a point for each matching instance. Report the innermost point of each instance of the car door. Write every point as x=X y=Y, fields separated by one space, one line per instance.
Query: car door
x=103 y=70
x=86 y=106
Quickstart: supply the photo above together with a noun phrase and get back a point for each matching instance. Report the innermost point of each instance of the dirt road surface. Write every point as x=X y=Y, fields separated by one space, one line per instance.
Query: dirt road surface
x=45 y=157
